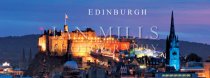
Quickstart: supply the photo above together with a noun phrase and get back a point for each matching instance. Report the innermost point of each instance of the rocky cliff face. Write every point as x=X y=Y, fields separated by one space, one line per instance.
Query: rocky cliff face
x=45 y=63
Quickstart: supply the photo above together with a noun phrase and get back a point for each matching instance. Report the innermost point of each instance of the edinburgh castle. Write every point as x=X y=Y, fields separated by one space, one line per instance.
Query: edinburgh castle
x=81 y=42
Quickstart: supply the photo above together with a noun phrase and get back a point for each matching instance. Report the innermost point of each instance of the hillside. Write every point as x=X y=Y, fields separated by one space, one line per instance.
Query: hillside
x=11 y=47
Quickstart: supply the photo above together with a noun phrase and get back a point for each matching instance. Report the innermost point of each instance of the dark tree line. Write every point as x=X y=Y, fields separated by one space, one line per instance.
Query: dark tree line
x=193 y=57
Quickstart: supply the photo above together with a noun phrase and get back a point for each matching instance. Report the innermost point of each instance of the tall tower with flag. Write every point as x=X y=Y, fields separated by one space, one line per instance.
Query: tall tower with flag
x=172 y=48
x=65 y=25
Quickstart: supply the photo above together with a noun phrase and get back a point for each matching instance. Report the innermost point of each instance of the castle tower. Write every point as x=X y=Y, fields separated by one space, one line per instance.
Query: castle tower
x=66 y=29
x=172 y=48
x=47 y=43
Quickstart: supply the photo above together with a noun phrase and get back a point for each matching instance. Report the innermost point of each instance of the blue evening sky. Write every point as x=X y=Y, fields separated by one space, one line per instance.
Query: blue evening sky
x=192 y=17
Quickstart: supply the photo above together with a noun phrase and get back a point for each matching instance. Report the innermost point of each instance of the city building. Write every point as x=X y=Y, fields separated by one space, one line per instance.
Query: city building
x=202 y=69
x=96 y=72
x=207 y=69
x=7 y=70
x=196 y=67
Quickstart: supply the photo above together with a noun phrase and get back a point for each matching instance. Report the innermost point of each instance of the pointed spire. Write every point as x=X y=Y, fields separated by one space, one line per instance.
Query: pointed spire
x=172 y=30
x=23 y=60
x=30 y=56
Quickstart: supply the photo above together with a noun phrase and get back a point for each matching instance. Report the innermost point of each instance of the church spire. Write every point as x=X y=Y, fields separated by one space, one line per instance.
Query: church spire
x=172 y=30
x=172 y=48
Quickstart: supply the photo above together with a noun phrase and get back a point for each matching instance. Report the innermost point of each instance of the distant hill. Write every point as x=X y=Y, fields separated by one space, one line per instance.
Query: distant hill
x=11 y=47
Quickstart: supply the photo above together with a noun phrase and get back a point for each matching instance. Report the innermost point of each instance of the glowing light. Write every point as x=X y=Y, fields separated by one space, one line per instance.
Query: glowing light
x=142 y=66
x=117 y=59
x=5 y=70
x=80 y=45
x=112 y=38
x=6 y=64
x=42 y=44
x=140 y=52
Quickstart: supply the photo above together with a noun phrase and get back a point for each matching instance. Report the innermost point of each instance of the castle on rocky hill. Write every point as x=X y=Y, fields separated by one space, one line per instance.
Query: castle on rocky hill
x=80 y=43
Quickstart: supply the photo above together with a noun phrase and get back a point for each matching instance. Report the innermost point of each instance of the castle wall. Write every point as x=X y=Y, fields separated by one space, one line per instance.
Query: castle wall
x=58 y=44
x=81 y=45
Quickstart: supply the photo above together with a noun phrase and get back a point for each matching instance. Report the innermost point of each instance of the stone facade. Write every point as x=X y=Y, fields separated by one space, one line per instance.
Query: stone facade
x=83 y=42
